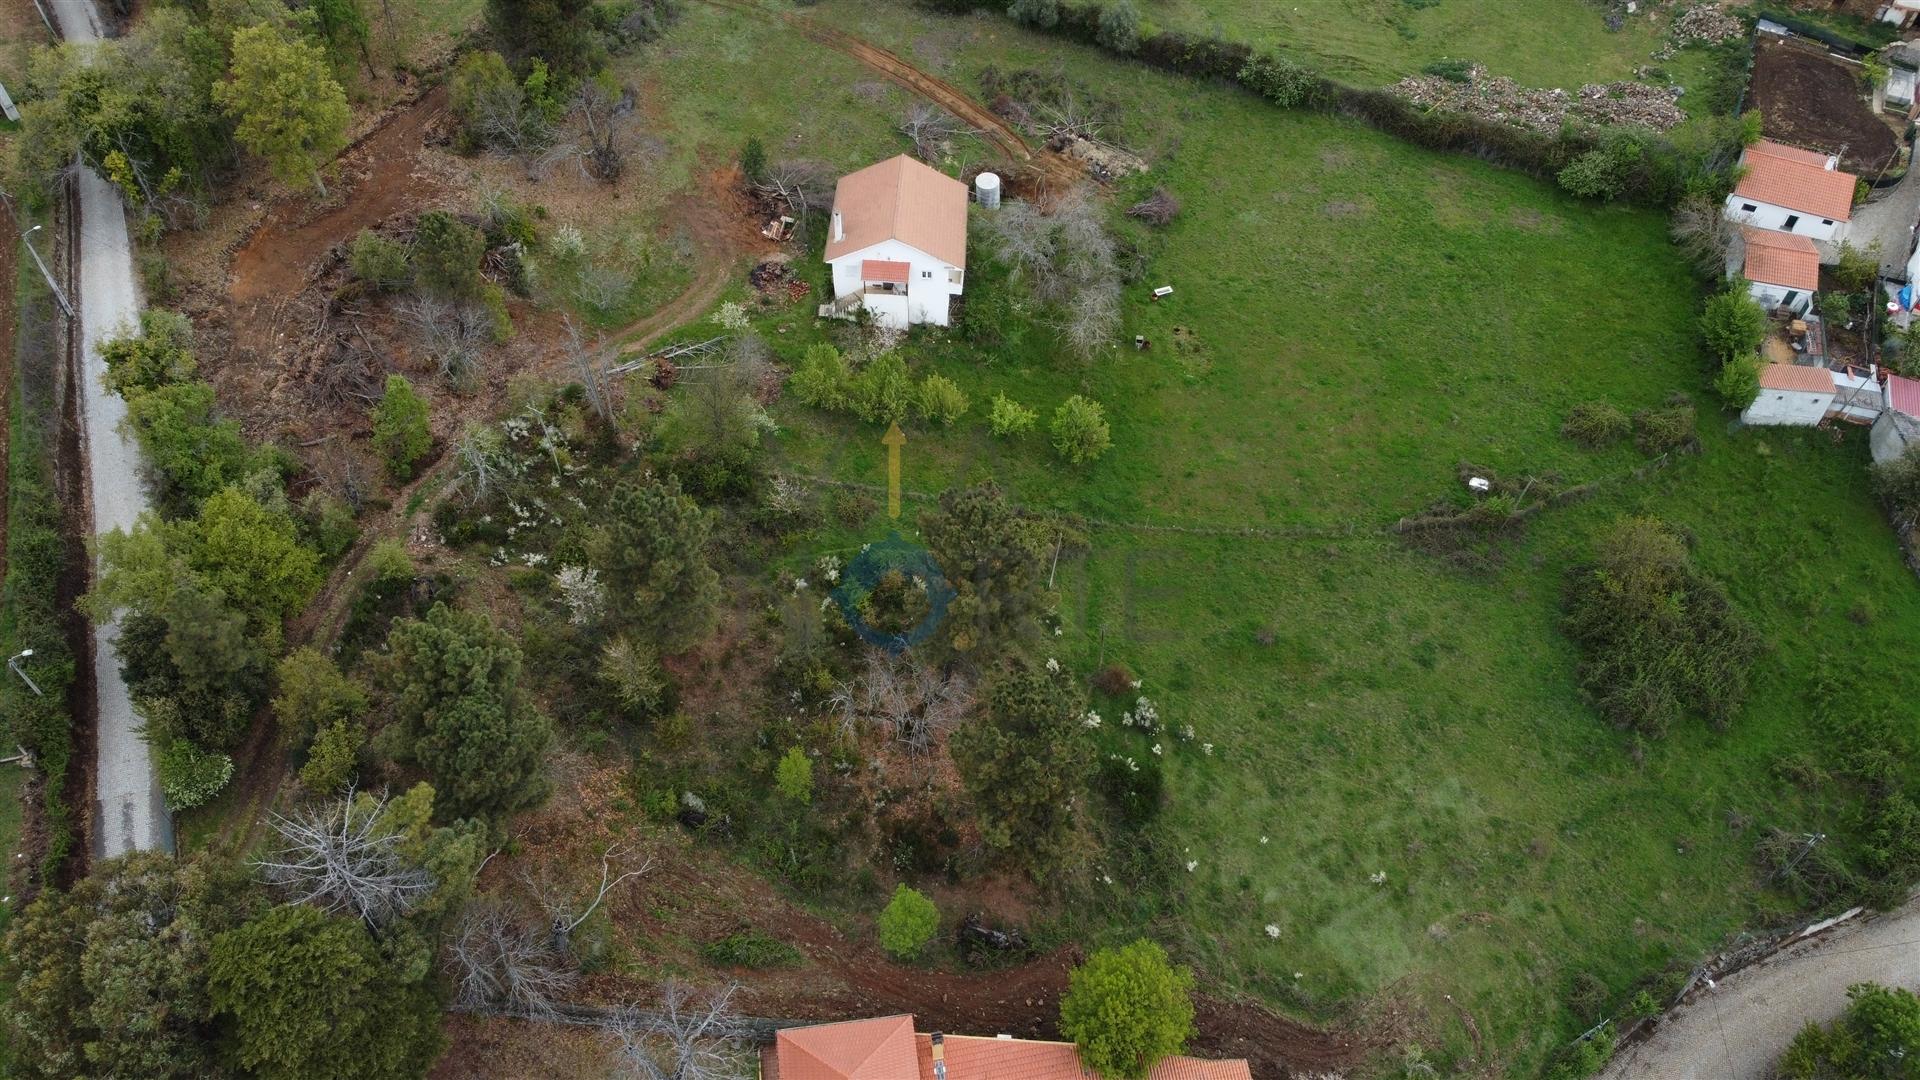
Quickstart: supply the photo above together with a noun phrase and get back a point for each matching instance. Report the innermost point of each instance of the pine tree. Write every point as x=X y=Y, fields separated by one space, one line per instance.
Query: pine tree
x=400 y=430
x=654 y=558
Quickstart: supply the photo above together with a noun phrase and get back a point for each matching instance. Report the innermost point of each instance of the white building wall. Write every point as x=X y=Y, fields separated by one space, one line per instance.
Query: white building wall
x=1765 y=215
x=1773 y=296
x=1795 y=407
x=931 y=284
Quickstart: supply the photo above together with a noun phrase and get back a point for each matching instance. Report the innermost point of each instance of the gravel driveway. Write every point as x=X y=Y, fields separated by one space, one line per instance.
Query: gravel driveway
x=129 y=812
x=1737 y=1030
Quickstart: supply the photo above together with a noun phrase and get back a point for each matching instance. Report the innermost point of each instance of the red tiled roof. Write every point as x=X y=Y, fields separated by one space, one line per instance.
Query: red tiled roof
x=877 y=1049
x=974 y=1057
x=886 y=270
x=1779 y=258
x=1903 y=395
x=1797 y=377
x=900 y=199
x=1796 y=179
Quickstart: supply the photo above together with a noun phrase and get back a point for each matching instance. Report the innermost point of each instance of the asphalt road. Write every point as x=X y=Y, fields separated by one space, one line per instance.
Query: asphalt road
x=130 y=813
x=1737 y=1030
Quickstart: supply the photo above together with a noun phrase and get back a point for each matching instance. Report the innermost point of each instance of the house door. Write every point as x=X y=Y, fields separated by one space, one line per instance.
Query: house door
x=1787 y=300
x=1792 y=220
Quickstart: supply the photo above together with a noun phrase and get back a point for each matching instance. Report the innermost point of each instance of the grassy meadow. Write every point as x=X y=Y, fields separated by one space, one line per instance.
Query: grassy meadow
x=1368 y=315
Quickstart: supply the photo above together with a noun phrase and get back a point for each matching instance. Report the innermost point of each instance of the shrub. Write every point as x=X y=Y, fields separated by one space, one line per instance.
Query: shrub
x=161 y=354
x=400 y=431
x=793 y=776
x=314 y=695
x=1596 y=174
x=822 y=380
x=1596 y=424
x=1114 y=680
x=1080 y=430
x=1127 y=1008
x=907 y=923
x=753 y=950
x=753 y=160
x=1009 y=417
x=1658 y=638
x=1159 y=208
x=388 y=563
x=384 y=264
x=190 y=776
x=1450 y=69
x=632 y=672
x=334 y=757
x=1875 y=1037
x=1733 y=324
x=447 y=253
x=1044 y=14
x=1135 y=792
x=941 y=400
x=1738 y=383
x=1661 y=431
x=1282 y=82
x=1119 y=26
x=883 y=391
x=1856 y=269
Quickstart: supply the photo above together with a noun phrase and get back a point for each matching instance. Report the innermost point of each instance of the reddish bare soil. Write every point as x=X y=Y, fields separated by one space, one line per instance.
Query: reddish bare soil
x=1810 y=99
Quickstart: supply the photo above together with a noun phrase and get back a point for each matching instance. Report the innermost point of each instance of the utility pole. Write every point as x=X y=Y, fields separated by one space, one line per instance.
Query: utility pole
x=58 y=294
x=13 y=665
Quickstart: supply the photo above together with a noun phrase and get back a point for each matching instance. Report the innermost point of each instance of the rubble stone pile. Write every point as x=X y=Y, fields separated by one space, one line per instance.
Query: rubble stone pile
x=1707 y=23
x=1500 y=99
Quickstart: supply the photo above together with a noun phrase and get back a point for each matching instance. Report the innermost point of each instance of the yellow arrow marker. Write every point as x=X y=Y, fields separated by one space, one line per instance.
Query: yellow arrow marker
x=894 y=439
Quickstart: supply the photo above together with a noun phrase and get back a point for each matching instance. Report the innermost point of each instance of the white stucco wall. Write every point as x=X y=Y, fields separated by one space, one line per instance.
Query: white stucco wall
x=1787 y=407
x=1765 y=215
x=930 y=284
x=1773 y=296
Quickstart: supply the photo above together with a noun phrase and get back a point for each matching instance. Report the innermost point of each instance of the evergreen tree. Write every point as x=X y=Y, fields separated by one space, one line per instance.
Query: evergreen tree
x=557 y=31
x=400 y=430
x=1025 y=761
x=289 y=108
x=653 y=555
x=992 y=557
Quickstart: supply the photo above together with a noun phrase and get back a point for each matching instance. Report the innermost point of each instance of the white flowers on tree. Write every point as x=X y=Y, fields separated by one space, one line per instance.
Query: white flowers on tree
x=580 y=590
x=1053 y=666
x=731 y=316
x=1091 y=721
x=1273 y=931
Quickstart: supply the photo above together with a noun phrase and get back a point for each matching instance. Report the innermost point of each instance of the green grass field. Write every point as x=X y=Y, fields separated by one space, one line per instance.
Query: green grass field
x=1372 y=314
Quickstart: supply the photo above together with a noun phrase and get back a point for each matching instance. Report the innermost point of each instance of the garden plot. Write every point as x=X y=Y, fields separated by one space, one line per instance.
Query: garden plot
x=1810 y=98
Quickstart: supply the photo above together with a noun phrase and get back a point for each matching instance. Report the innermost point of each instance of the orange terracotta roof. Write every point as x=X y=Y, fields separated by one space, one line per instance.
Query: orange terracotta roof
x=1779 y=258
x=1903 y=395
x=975 y=1057
x=1796 y=179
x=901 y=199
x=1797 y=377
x=877 y=1049
x=887 y=270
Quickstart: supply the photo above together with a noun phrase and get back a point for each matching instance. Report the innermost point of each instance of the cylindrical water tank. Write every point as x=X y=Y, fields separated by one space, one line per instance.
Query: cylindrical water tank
x=986 y=189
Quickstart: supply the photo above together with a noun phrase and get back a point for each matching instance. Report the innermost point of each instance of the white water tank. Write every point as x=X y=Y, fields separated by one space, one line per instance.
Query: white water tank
x=986 y=190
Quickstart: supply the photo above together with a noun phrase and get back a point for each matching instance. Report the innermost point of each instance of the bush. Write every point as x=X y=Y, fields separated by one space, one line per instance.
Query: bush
x=384 y=264
x=632 y=672
x=446 y=255
x=793 y=776
x=883 y=392
x=190 y=776
x=400 y=432
x=1136 y=793
x=941 y=400
x=1119 y=26
x=1080 y=430
x=1044 y=14
x=1876 y=1037
x=387 y=563
x=1661 y=431
x=753 y=950
x=161 y=354
x=1738 y=383
x=822 y=380
x=1596 y=174
x=1450 y=69
x=1733 y=324
x=1596 y=424
x=907 y=923
x=334 y=757
x=1658 y=638
x=1009 y=417
x=1127 y=1008
x=753 y=160
x=1282 y=82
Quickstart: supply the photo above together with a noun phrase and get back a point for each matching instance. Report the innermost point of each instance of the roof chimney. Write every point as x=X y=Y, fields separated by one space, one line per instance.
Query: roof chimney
x=1833 y=162
x=839 y=230
x=939 y=1056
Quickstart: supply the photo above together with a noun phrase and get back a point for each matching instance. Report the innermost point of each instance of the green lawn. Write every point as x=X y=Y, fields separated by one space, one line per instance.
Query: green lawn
x=1537 y=43
x=1373 y=314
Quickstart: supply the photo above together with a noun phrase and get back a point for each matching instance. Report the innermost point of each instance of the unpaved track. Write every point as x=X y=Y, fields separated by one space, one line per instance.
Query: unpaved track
x=1738 y=1030
x=129 y=813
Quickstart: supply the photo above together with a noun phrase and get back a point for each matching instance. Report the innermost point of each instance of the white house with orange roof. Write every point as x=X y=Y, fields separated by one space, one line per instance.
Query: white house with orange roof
x=1794 y=394
x=887 y=1048
x=897 y=242
x=1782 y=270
x=1790 y=190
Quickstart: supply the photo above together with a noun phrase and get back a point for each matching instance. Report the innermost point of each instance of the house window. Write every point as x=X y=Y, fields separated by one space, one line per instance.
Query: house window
x=1792 y=220
x=1788 y=299
x=926 y=273
x=1826 y=221
x=953 y=275
x=1748 y=208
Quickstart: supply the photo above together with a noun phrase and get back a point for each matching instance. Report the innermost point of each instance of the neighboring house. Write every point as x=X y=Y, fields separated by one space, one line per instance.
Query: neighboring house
x=897 y=242
x=887 y=1048
x=1791 y=394
x=1900 y=13
x=1782 y=270
x=1897 y=428
x=1793 y=191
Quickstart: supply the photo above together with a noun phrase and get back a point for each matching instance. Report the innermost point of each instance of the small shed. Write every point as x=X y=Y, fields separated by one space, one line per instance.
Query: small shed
x=1782 y=270
x=1892 y=434
x=1791 y=394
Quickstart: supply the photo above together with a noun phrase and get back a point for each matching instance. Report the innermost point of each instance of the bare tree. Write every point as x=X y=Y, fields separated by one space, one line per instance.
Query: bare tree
x=502 y=119
x=1067 y=258
x=691 y=1036
x=452 y=332
x=797 y=187
x=931 y=129
x=496 y=960
x=1158 y=208
x=1706 y=237
x=603 y=283
x=587 y=365
x=480 y=463
x=566 y=913
x=340 y=858
x=912 y=703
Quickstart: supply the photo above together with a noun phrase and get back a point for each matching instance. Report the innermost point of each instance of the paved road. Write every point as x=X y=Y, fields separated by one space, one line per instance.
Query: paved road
x=1889 y=220
x=1737 y=1031
x=129 y=812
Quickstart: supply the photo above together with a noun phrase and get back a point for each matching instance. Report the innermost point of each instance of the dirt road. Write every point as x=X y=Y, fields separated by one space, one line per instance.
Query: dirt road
x=1737 y=1030
x=129 y=813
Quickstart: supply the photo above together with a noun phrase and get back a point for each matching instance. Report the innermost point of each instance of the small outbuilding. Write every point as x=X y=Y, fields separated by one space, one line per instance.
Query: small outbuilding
x=1792 y=394
x=897 y=242
x=1782 y=270
x=1790 y=190
x=1896 y=428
